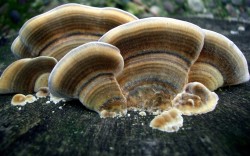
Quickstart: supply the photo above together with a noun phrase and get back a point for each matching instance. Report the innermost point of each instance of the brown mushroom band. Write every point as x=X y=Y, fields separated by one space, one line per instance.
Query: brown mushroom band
x=56 y=32
x=23 y=75
x=158 y=53
x=88 y=73
x=220 y=63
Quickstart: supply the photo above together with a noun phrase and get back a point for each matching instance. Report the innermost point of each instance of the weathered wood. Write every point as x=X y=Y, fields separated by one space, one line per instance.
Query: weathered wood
x=45 y=129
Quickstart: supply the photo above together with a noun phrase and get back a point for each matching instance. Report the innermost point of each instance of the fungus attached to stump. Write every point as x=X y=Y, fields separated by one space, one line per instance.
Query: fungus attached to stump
x=41 y=80
x=63 y=28
x=221 y=63
x=169 y=121
x=30 y=98
x=195 y=99
x=158 y=53
x=18 y=100
x=21 y=100
x=23 y=75
x=43 y=92
x=88 y=73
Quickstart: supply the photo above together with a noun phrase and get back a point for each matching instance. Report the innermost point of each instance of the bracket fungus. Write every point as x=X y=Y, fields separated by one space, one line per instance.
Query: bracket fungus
x=220 y=63
x=18 y=99
x=195 y=99
x=112 y=62
x=88 y=73
x=23 y=76
x=169 y=121
x=21 y=100
x=157 y=53
x=42 y=92
x=63 y=28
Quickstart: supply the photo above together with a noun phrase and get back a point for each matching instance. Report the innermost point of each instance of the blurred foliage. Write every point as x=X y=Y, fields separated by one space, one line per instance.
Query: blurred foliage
x=13 y=13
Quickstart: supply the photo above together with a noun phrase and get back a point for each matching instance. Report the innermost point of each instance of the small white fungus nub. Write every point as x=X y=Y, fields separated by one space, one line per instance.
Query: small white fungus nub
x=142 y=113
x=55 y=99
x=195 y=99
x=30 y=98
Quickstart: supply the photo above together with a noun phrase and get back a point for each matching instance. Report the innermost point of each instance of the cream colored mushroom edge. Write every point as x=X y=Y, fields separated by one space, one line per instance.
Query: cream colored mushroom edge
x=113 y=62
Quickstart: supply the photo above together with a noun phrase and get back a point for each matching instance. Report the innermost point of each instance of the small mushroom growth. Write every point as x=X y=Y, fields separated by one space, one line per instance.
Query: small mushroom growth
x=169 y=121
x=18 y=99
x=21 y=100
x=195 y=99
x=113 y=62
x=43 y=92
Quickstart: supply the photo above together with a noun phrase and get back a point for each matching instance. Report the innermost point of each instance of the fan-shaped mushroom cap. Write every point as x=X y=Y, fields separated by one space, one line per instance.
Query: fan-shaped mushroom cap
x=18 y=100
x=22 y=75
x=158 y=53
x=220 y=63
x=169 y=121
x=195 y=99
x=41 y=82
x=30 y=98
x=88 y=73
x=43 y=92
x=63 y=28
x=21 y=100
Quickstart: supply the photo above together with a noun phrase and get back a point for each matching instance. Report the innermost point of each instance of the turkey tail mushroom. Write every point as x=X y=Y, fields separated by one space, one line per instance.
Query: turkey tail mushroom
x=88 y=73
x=24 y=76
x=158 y=53
x=63 y=28
x=221 y=63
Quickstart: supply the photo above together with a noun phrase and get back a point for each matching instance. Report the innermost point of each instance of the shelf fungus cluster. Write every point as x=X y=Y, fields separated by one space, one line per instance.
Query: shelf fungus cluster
x=113 y=62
